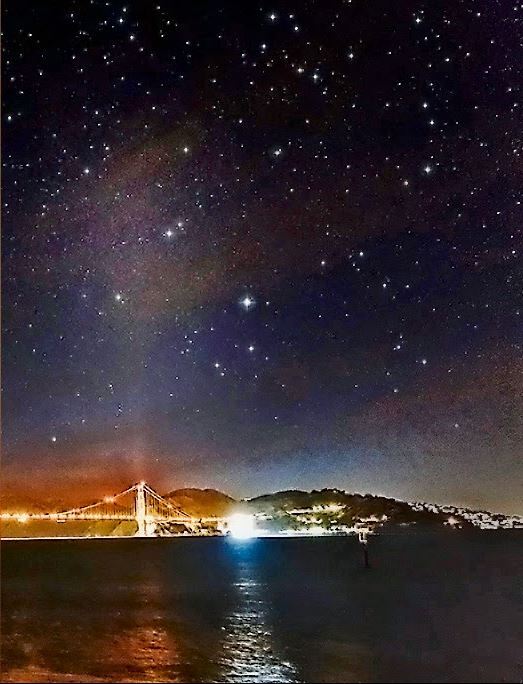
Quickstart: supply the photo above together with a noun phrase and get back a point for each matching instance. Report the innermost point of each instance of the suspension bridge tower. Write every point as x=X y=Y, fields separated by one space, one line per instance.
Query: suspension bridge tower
x=141 y=512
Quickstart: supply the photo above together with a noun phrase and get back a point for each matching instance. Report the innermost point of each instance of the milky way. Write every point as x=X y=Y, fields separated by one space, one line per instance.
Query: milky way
x=263 y=246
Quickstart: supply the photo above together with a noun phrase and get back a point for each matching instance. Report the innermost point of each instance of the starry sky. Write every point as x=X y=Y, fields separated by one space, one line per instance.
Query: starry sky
x=263 y=246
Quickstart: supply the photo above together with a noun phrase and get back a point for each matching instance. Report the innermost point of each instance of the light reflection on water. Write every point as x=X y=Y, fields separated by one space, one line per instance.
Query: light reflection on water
x=250 y=653
x=149 y=652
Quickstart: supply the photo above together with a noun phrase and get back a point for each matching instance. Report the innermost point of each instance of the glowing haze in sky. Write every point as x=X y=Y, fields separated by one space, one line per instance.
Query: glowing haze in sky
x=262 y=246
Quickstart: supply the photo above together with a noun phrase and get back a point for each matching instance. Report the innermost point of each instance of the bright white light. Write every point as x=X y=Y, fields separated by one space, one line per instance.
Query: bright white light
x=247 y=302
x=242 y=526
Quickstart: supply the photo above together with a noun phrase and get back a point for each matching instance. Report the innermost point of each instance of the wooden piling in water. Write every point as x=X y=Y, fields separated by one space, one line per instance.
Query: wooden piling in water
x=363 y=540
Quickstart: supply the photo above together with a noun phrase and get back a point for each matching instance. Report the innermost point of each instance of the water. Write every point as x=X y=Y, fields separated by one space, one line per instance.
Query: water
x=442 y=607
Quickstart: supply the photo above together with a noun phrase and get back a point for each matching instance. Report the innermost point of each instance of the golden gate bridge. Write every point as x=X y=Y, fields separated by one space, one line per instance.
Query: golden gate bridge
x=139 y=503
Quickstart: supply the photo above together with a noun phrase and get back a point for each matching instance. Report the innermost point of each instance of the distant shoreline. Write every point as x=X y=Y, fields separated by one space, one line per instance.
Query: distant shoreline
x=290 y=535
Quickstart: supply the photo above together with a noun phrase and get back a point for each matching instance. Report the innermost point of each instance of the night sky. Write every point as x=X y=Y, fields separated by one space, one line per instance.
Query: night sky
x=263 y=246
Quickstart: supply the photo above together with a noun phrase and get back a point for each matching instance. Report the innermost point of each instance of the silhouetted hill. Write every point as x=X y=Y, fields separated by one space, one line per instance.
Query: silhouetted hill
x=356 y=506
x=202 y=502
x=296 y=498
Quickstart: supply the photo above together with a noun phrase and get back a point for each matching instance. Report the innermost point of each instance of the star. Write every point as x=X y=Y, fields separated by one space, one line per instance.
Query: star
x=247 y=302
